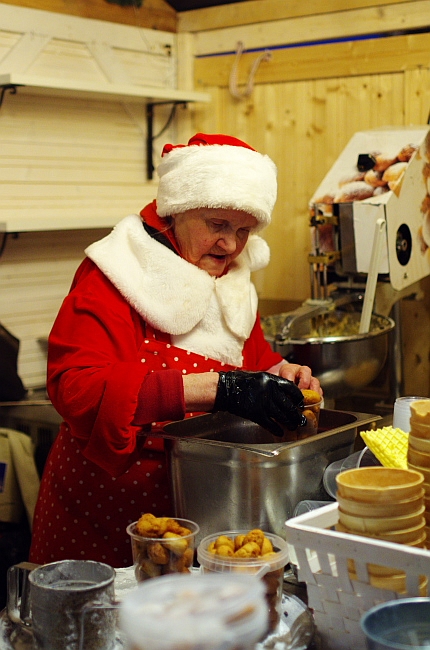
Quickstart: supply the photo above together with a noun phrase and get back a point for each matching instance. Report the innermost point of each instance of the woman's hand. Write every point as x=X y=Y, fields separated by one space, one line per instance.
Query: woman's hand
x=267 y=399
x=300 y=375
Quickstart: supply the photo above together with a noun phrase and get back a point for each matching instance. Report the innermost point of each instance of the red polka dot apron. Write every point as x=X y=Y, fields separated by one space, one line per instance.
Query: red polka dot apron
x=82 y=511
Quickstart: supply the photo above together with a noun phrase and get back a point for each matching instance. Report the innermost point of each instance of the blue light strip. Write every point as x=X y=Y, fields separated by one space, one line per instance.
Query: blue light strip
x=329 y=41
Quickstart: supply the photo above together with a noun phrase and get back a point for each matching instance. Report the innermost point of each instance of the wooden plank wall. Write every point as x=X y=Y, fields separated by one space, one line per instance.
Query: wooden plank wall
x=307 y=102
x=60 y=158
x=71 y=159
x=36 y=270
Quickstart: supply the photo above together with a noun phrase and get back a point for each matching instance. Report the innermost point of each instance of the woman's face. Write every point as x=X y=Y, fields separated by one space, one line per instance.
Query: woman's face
x=211 y=238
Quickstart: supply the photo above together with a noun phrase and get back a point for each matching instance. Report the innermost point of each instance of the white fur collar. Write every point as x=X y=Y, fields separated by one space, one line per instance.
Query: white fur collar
x=207 y=315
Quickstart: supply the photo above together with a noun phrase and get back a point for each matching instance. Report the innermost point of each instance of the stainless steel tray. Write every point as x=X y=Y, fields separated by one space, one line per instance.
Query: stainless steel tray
x=227 y=473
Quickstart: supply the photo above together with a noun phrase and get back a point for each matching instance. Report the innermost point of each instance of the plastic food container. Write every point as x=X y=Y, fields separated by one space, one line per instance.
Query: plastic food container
x=312 y=413
x=270 y=567
x=402 y=412
x=157 y=556
x=197 y=612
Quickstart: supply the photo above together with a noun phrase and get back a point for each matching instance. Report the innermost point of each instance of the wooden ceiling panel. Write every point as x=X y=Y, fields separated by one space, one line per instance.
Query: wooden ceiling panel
x=187 y=5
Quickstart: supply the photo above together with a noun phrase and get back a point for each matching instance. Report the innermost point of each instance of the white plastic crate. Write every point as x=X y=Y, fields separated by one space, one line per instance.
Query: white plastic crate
x=337 y=601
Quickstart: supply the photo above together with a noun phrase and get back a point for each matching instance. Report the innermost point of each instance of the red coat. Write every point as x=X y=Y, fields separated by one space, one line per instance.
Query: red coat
x=102 y=473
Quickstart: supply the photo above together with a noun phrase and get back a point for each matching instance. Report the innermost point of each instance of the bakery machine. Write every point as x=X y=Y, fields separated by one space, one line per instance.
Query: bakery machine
x=370 y=230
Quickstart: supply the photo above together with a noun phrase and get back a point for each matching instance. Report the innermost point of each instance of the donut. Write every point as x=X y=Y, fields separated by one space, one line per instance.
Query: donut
x=356 y=191
x=383 y=161
x=406 y=153
x=427 y=146
x=426 y=230
x=393 y=173
x=374 y=178
x=327 y=198
x=425 y=205
x=351 y=178
x=382 y=189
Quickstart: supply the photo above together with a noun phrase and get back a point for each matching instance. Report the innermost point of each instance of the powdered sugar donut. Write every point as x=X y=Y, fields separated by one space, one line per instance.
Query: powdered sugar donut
x=393 y=174
x=382 y=189
x=426 y=230
x=383 y=161
x=351 y=178
x=406 y=153
x=374 y=178
x=356 y=191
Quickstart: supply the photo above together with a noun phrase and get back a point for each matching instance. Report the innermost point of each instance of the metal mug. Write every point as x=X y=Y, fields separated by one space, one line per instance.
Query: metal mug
x=67 y=605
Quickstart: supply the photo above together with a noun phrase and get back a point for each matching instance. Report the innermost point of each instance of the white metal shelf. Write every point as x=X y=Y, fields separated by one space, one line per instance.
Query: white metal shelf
x=108 y=91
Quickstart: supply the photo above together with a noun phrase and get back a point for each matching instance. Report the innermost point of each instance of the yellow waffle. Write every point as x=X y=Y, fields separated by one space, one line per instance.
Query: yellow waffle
x=390 y=446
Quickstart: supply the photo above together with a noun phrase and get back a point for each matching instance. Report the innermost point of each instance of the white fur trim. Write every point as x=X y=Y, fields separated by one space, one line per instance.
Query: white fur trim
x=217 y=176
x=207 y=315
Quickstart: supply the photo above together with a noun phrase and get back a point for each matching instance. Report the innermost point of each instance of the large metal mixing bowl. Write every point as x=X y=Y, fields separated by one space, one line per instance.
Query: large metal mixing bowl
x=345 y=363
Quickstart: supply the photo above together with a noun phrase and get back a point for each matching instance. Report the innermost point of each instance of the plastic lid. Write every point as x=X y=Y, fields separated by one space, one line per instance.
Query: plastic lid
x=204 y=611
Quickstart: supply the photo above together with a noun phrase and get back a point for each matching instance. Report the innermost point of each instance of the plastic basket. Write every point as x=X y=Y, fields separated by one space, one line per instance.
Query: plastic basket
x=338 y=602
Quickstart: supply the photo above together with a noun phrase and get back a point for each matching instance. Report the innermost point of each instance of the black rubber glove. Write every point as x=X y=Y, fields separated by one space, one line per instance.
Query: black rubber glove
x=261 y=397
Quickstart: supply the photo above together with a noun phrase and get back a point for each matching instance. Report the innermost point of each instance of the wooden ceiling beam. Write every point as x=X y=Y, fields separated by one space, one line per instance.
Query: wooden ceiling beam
x=262 y=11
x=153 y=14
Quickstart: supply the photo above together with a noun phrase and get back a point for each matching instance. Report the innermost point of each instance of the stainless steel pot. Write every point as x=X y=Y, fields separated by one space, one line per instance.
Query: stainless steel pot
x=227 y=473
x=343 y=364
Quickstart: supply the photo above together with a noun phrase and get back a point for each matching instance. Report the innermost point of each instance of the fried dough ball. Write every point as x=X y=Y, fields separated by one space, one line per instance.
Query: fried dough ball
x=266 y=547
x=225 y=550
x=147 y=569
x=250 y=549
x=181 y=564
x=310 y=396
x=175 y=543
x=173 y=526
x=238 y=541
x=224 y=540
x=311 y=417
x=188 y=557
x=211 y=547
x=150 y=526
x=182 y=531
x=256 y=535
x=158 y=553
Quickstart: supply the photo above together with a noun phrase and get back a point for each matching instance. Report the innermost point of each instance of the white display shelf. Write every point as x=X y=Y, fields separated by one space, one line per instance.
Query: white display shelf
x=108 y=91
x=29 y=224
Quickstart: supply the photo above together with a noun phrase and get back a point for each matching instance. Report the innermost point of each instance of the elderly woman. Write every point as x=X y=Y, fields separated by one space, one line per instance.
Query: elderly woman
x=161 y=323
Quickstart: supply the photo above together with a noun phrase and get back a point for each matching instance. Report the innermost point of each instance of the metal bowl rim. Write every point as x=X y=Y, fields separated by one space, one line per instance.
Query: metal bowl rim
x=390 y=325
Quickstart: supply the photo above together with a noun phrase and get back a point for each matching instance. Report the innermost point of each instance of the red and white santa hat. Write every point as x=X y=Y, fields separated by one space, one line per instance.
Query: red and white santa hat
x=216 y=171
